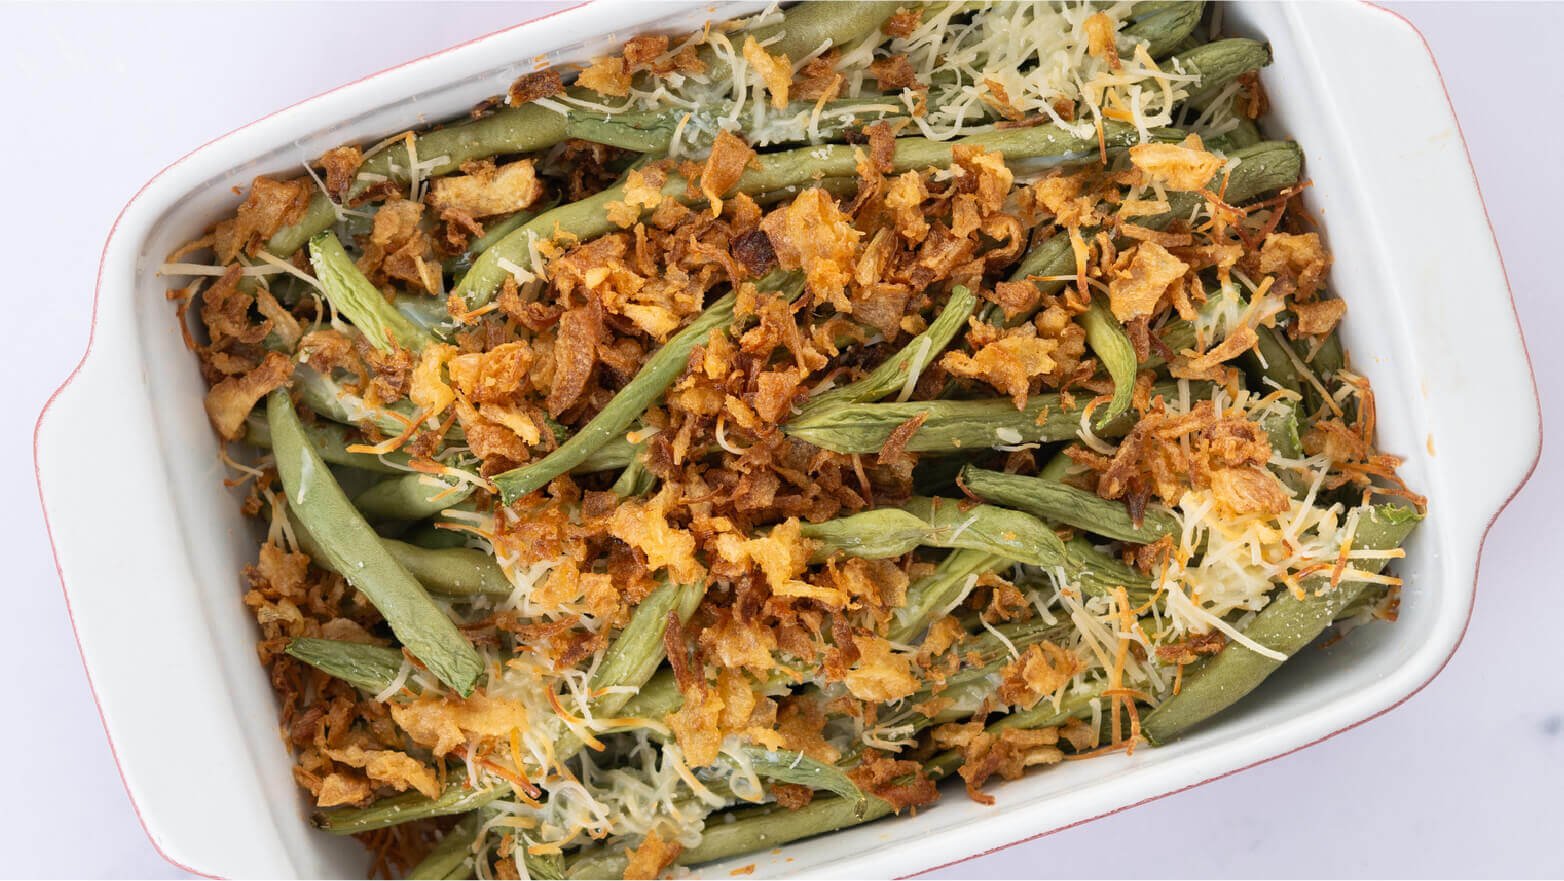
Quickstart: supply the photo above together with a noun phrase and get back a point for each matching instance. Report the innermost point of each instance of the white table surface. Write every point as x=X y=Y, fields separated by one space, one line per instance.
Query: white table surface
x=1464 y=779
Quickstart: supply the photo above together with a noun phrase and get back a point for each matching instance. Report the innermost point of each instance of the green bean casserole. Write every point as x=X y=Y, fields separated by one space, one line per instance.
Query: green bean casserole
x=726 y=441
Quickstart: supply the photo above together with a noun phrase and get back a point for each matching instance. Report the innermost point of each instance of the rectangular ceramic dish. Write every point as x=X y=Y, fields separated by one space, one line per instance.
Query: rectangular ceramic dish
x=152 y=574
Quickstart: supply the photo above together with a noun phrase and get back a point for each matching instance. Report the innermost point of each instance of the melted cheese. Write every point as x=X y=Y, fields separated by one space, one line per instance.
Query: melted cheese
x=1037 y=53
x=1226 y=563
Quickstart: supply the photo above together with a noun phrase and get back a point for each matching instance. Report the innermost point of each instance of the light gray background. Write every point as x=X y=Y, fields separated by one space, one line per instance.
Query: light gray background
x=1464 y=779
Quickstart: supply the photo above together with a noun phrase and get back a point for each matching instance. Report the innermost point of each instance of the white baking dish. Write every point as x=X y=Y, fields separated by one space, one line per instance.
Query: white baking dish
x=150 y=556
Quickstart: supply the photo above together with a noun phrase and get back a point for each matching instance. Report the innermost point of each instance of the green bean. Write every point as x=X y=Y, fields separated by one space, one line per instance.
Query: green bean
x=1220 y=63
x=1367 y=601
x=752 y=830
x=1262 y=168
x=778 y=172
x=325 y=397
x=781 y=826
x=616 y=453
x=429 y=314
x=454 y=572
x=1286 y=626
x=1179 y=334
x=835 y=187
x=985 y=656
x=433 y=538
x=1269 y=367
x=985 y=653
x=600 y=862
x=1043 y=715
x=351 y=547
x=652 y=131
x=770 y=826
x=1057 y=468
x=877 y=534
x=1043 y=142
x=633 y=660
x=411 y=496
x=950 y=523
x=656 y=374
x=799 y=25
x=1328 y=358
x=533 y=127
x=1325 y=363
x=543 y=867
x=493 y=232
x=1280 y=422
x=628 y=405
x=643 y=131
x=508 y=130
x=318 y=216
x=351 y=294
x=453 y=857
x=935 y=475
x=1244 y=134
x=767 y=826
x=940 y=590
x=956 y=425
x=331 y=440
x=1053 y=501
x=635 y=480
x=1046 y=715
x=369 y=668
x=805 y=27
x=905 y=365
x=1145 y=21
x=638 y=650
x=457 y=798
x=583 y=220
x=1190 y=42
x=373 y=669
x=1270 y=360
x=1112 y=345
x=1163 y=25
x=1323 y=367
x=788 y=766
x=657 y=699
